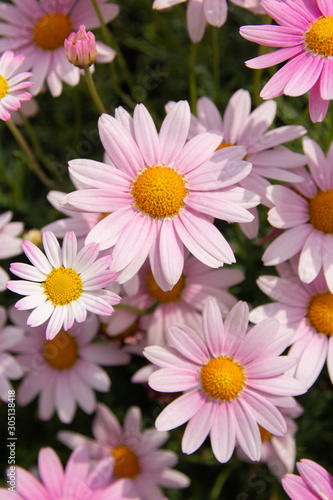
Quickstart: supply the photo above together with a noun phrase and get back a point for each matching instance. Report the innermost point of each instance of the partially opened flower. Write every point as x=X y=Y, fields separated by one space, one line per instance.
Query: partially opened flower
x=233 y=380
x=136 y=453
x=10 y=369
x=81 y=48
x=64 y=371
x=10 y=242
x=308 y=310
x=201 y=12
x=304 y=212
x=63 y=285
x=160 y=191
x=263 y=148
x=38 y=30
x=314 y=482
x=76 y=482
x=304 y=33
x=12 y=84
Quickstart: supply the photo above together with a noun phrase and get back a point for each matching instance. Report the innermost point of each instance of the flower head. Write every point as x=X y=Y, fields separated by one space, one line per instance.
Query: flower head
x=12 y=84
x=136 y=453
x=304 y=33
x=304 y=212
x=38 y=29
x=81 y=48
x=63 y=285
x=159 y=192
x=315 y=483
x=233 y=380
x=76 y=481
x=66 y=370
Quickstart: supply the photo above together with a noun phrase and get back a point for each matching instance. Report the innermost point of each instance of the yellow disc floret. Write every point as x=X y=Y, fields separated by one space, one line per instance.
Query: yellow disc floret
x=224 y=145
x=61 y=352
x=264 y=434
x=222 y=379
x=319 y=36
x=320 y=313
x=159 y=191
x=50 y=31
x=157 y=293
x=126 y=463
x=321 y=211
x=62 y=286
x=3 y=87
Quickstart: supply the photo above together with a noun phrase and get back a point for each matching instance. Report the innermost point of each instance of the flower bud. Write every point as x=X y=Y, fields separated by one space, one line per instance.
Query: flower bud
x=81 y=48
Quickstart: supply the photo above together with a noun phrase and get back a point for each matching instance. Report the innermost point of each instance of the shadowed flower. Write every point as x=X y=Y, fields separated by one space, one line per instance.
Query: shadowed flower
x=136 y=453
x=10 y=243
x=64 y=371
x=63 y=285
x=160 y=191
x=304 y=32
x=233 y=381
x=38 y=30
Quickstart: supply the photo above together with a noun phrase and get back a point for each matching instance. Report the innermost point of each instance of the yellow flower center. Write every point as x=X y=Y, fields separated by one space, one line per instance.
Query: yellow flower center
x=3 y=87
x=126 y=463
x=264 y=434
x=222 y=378
x=61 y=352
x=157 y=293
x=62 y=286
x=51 y=30
x=321 y=211
x=159 y=191
x=319 y=36
x=224 y=145
x=320 y=313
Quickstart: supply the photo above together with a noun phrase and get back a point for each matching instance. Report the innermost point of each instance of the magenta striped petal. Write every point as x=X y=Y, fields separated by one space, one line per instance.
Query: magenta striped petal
x=272 y=35
x=273 y=58
x=36 y=257
x=304 y=70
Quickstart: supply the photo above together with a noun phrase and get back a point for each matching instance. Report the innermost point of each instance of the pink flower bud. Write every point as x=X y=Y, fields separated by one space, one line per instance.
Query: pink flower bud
x=81 y=48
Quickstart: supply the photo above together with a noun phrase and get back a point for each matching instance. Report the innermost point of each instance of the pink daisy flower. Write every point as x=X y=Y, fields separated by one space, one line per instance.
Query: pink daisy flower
x=64 y=371
x=201 y=12
x=304 y=33
x=263 y=148
x=63 y=285
x=233 y=381
x=77 y=481
x=315 y=483
x=12 y=84
x=10 y=369
x=308 y=310
x=38 y=30
x=136 y=453
x=304 y=212
x=10 y=243
x=160 y=192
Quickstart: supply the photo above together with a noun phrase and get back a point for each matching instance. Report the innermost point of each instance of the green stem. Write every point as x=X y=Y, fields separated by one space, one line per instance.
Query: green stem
x=29 y=154
x=93 y=91
x=258 y=72
x=132 y=309
x=109 y=40
x=216 y=61
x=192 y=80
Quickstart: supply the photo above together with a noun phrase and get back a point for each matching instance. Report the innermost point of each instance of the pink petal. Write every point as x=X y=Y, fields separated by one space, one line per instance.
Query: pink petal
x=317 y=106
x=311 y=258
x=223 y=432
x=174 y=132
x=198 y=428
x=235 y=326
x=196 y=21
x=188 y=343
x=173 y=380
x=286 y=245
x=247 y=431
x=146 y=135
x=51 y=471
x=213 y=329
x=180 y=411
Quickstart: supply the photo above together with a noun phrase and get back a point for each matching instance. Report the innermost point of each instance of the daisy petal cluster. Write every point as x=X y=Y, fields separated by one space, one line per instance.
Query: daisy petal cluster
x=38 y=30
x=304 y=33
x=314 y=482
x=308 y=310
x=136 y=453
x=77 y=480
x=203 y=12
x=12 y=84
x=64 y=284
x=264 y=148
x=65 y=371
x=304 y=212
x=233 y=380
x=161 y=194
